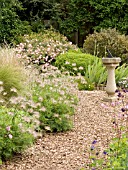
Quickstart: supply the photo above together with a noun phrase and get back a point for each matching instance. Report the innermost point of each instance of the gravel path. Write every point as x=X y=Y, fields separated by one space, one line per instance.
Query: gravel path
x=70 y=150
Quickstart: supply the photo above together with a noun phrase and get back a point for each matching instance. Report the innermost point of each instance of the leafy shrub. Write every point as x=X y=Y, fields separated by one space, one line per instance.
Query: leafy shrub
x=57 y=114
x=43 y=48
x=97 y=43
x=89 y=66
x=16 y=132
x=74 y=62
x=12 y=74
x=50 y=100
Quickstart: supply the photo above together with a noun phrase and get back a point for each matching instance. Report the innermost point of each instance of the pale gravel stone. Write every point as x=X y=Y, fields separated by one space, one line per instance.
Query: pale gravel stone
x=70 y=150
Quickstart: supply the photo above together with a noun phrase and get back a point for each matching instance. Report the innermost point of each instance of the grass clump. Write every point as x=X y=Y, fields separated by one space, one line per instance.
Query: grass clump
x=12 y=74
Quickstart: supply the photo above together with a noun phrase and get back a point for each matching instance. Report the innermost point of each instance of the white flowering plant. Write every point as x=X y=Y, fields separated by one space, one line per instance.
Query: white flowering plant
x=123 y=83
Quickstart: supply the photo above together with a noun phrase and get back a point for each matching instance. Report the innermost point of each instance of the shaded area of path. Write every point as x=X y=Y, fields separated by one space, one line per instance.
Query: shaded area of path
x=70 y=150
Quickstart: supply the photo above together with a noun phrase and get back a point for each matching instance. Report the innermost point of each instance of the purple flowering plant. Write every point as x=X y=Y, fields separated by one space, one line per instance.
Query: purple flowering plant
x=115 y=156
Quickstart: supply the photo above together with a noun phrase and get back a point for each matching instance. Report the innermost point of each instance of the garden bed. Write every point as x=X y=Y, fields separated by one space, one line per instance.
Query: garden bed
x=70 y=150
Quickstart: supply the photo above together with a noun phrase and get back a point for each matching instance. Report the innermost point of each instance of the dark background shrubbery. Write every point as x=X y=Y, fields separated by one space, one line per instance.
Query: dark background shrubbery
x=73 y=18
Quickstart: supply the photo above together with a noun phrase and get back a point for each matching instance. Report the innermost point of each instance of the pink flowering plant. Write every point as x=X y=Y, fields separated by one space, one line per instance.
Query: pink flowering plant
x=49 y=100
x=55 y=102
x=42 y=48
x=17 y=132
x=55 y=110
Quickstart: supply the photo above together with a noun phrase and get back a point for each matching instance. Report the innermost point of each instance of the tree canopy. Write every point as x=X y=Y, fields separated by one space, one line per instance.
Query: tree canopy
x=68 y=16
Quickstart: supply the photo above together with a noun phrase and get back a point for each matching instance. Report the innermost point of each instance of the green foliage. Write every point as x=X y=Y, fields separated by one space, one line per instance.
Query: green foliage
x=97 y=43
x=35 y=10
x=37 y=26
x=11 y=27
x=91 y=67
x=115 y=157
x=14 y=135
x=90 y=15
x=74 y=62
x=20 y=16
x=43 y=48
x=96 y=73
x=120 y=147
x=112 y=14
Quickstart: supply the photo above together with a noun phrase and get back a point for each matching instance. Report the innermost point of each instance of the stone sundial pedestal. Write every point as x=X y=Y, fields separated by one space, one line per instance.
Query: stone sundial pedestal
x=111 y=64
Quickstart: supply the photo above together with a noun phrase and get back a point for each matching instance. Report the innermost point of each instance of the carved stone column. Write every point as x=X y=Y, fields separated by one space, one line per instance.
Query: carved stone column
x=111 y=64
